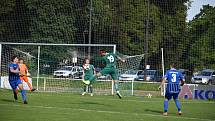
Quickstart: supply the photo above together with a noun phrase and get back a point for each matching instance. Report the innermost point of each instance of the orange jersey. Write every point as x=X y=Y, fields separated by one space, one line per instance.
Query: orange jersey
x=23 y=69
x=24 y=78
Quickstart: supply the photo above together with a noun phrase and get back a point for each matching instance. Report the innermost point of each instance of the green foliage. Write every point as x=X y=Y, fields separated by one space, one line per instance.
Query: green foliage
x=202 y=38
x=52 y=21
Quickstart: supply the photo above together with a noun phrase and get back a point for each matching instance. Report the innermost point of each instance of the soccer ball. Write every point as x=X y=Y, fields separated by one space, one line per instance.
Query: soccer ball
x=86 y=66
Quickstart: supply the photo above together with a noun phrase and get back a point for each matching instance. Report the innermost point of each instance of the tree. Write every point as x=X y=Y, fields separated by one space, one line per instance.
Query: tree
x=52 y=21
x=202 y=39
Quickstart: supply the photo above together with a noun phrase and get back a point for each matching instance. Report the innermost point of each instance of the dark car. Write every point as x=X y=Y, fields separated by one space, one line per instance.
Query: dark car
x=151 y=75
x=187 y=75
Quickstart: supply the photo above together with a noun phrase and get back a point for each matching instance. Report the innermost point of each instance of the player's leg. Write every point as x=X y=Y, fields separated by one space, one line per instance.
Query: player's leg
x=177 y=103
x=114 y=76
x=86 y=78
x=23 y=92
x=85 y=89
x=13 y=86
x=168 y=97
x=25 y=78
x=91 y=89
x=16 y=90
x=92 y=79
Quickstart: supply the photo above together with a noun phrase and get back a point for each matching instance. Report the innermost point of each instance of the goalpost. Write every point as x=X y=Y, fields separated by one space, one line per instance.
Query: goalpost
x=43 y=60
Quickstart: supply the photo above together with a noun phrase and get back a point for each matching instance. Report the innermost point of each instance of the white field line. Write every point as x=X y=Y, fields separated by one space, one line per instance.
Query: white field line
x=110 y=112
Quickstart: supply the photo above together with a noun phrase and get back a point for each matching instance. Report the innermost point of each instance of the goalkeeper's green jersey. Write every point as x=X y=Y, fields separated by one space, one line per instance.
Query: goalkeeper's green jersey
x=110 y=60
x=89 y=70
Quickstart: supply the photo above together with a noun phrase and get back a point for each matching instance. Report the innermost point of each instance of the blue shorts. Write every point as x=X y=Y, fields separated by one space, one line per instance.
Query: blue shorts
x=169 y=95
x=14 y=83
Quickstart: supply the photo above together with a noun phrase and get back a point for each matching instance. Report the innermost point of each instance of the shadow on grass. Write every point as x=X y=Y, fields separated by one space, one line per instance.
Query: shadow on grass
x=7 y=100
x=154 y=111
x=91 y=103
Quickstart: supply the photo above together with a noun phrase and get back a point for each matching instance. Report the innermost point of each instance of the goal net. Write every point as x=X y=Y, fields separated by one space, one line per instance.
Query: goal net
x=58 y=67
x=130 y=68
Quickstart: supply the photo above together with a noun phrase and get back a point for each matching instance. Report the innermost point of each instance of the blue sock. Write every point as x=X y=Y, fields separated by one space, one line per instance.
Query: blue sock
x=178 y=105
x=165 y=105
x=23 y=95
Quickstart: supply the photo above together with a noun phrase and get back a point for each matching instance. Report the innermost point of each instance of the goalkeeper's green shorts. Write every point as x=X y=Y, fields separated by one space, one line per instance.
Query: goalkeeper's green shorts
x=87 y=78
x=111 y=71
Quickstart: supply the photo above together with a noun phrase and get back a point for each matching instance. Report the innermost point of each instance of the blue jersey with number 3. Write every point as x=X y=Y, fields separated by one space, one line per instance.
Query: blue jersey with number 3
x=173 y=77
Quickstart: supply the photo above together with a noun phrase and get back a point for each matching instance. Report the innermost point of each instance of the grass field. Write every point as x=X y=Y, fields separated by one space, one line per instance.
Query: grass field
x=73 y=107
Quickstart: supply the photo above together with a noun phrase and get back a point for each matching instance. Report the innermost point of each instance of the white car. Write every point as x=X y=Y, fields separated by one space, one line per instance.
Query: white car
x=130 y=75
x=205 y=77
x=69 y=72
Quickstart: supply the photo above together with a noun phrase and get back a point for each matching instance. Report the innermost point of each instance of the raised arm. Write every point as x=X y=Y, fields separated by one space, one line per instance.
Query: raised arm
x=120 y=59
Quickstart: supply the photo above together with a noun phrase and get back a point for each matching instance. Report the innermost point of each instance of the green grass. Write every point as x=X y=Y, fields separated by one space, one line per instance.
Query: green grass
x=73 y=107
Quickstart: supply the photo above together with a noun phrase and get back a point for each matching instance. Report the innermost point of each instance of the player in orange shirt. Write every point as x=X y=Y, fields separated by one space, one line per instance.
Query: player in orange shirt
x=24 y=73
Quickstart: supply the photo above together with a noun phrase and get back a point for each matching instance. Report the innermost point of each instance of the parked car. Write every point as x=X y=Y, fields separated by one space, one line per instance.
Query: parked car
x=205 y=77
x=130 y=75
x=151 y=75
x=69 y=72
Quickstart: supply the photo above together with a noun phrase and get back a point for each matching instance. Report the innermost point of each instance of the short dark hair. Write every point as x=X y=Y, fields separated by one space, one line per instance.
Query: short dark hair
x=21 y=59
x=86 y=59
x=172 y=65
x=13 y=57
x=102 y=51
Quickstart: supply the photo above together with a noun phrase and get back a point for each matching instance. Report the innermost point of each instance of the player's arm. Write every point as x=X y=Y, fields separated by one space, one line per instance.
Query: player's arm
x=122 y=60
x=163 y=81
x=182 y=82
x=13 y=70
x=26 y=69
x=182 y=79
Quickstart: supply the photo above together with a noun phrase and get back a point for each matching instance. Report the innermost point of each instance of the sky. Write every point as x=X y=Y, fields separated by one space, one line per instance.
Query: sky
x=196 y=5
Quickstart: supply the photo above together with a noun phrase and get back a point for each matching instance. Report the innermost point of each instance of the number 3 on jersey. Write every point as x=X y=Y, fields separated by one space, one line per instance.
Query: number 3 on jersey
x=173 y=78
x=111 y=58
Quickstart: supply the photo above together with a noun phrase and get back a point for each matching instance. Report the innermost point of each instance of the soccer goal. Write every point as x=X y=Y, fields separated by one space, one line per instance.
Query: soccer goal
x=58 y=67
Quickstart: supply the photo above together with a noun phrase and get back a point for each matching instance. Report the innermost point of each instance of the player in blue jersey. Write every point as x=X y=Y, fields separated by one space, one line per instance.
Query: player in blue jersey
x=174 y=80
x=14 y=79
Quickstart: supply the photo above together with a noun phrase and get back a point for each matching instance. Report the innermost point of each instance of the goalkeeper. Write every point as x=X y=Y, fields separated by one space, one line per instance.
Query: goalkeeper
x=24 y=74
x=89 y=72
x=110 y=60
